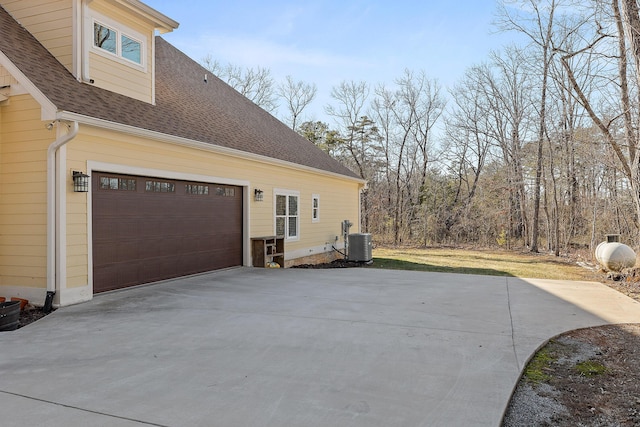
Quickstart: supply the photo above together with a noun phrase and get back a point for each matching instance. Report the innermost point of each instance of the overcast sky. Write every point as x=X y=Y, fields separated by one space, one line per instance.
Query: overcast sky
x=326 y=42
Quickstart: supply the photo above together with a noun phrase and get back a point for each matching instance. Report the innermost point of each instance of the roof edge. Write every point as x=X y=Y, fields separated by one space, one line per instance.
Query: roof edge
x=199 y=145
x=47 y=108
x=163 y=22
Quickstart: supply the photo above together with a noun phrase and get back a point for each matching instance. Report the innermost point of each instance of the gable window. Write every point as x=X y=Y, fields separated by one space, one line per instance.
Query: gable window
x=287 y=215
x=120 y=42
x=315 y=208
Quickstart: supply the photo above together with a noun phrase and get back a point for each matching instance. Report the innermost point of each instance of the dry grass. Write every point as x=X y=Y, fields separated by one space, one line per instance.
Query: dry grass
x=484 y=262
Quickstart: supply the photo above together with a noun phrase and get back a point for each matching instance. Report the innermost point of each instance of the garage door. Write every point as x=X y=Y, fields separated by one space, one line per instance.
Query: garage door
x=149 y=229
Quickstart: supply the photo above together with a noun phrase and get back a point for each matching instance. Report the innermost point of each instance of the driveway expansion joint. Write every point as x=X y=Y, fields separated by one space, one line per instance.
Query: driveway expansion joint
x=146 y=423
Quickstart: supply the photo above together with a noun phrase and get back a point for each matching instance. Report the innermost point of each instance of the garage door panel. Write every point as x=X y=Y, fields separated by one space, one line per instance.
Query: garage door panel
x=112 y=252
x=124 y=274
x=141 y=236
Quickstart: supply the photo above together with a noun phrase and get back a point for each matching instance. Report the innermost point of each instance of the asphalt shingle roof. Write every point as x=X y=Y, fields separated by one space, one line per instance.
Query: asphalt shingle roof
x=186 y=106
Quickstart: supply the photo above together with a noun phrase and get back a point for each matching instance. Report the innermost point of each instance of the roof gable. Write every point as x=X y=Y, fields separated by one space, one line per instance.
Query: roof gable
x=186 y=107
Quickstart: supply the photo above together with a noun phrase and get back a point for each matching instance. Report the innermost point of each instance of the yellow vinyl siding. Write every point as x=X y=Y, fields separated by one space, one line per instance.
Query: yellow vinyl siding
x=339 y=197
x=77 y=229
x=111 y=75
x=51 y=22
x=338 y=201
x=23 y=146
x=115 y=74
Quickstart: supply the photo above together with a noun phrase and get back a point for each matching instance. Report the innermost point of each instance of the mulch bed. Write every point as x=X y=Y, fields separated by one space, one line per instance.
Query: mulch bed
x=29 y=315
x=339 y=263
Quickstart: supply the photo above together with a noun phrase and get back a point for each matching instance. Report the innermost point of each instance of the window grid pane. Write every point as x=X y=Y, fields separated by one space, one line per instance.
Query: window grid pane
x=131 y=49
x=104 y=38
x=125 y=184
x=293 y=226
x=160 y=187
x=280 y=226
x=198 y=189
x=293 y=205
x=281 y=205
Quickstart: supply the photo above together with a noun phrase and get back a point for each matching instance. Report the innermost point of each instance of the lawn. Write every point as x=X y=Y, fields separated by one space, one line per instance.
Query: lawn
x=484 y=262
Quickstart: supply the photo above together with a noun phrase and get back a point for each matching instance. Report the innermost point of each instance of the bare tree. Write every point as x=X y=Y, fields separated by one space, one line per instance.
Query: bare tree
x=254 y=83
x=424 y=105
x=623 y=28
x=469 y=142
x=351 y=98
x=361 y=142
x=508 y=96
x=538 y=25
x=297 y=96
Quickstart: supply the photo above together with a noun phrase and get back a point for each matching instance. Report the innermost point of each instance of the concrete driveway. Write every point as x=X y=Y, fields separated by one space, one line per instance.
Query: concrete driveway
x=256 y=347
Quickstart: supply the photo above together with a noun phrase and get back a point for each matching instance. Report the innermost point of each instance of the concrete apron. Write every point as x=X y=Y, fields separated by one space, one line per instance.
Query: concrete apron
x=293 y=347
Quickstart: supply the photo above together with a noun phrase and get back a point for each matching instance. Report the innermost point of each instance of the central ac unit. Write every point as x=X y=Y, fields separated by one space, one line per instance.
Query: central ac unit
x=360 y=247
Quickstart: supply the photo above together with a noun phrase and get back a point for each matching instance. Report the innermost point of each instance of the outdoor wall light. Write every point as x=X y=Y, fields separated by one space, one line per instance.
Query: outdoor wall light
x=258 y=195
x=80 y=182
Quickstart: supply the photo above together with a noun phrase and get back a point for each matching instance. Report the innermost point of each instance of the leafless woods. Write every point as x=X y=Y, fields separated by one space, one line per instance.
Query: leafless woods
x=536 y=147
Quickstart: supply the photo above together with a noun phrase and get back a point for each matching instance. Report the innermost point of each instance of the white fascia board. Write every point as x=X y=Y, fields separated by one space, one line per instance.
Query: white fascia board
x=198 y=145
x=162 y=22
x=47 y=109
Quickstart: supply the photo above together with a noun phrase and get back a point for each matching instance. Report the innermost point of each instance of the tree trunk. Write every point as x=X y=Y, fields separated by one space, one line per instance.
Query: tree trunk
x=542 y=127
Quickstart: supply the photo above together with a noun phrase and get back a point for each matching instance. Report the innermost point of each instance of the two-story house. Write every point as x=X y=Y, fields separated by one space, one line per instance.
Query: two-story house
x=123 y=161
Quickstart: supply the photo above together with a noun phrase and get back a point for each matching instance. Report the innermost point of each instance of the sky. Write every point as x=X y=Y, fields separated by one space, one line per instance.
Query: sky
x=327 y=42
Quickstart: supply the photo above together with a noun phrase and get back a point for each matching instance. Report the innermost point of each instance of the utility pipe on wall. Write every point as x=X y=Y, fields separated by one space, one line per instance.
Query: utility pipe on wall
x=52 y=210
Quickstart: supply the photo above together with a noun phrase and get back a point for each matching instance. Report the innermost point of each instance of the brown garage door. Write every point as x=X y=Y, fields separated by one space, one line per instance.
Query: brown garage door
x=149 y=229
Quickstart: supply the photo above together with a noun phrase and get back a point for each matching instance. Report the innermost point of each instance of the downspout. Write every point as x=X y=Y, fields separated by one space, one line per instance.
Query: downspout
x=52 y=217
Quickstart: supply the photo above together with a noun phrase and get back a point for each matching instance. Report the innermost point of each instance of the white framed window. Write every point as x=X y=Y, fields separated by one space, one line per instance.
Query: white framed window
x=315 y=208
x=113 y=40
x=287 y=214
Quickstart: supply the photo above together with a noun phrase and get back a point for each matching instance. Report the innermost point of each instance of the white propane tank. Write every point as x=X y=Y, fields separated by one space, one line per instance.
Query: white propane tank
x=615 y=256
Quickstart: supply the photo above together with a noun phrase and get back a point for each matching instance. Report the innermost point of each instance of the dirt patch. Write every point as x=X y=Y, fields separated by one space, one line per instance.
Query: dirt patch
x=591 y=378
x=29 y=315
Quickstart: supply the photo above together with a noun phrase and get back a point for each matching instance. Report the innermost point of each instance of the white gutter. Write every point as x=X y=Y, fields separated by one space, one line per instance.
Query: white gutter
x=52 y=208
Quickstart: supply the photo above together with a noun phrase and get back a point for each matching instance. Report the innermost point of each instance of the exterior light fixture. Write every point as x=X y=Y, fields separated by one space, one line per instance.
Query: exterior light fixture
x=80 y=182
x=258 y=195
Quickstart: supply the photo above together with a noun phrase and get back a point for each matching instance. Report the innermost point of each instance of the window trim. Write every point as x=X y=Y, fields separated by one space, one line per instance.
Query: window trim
x=287 y=193
x=315 y=208
x=120 y=30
